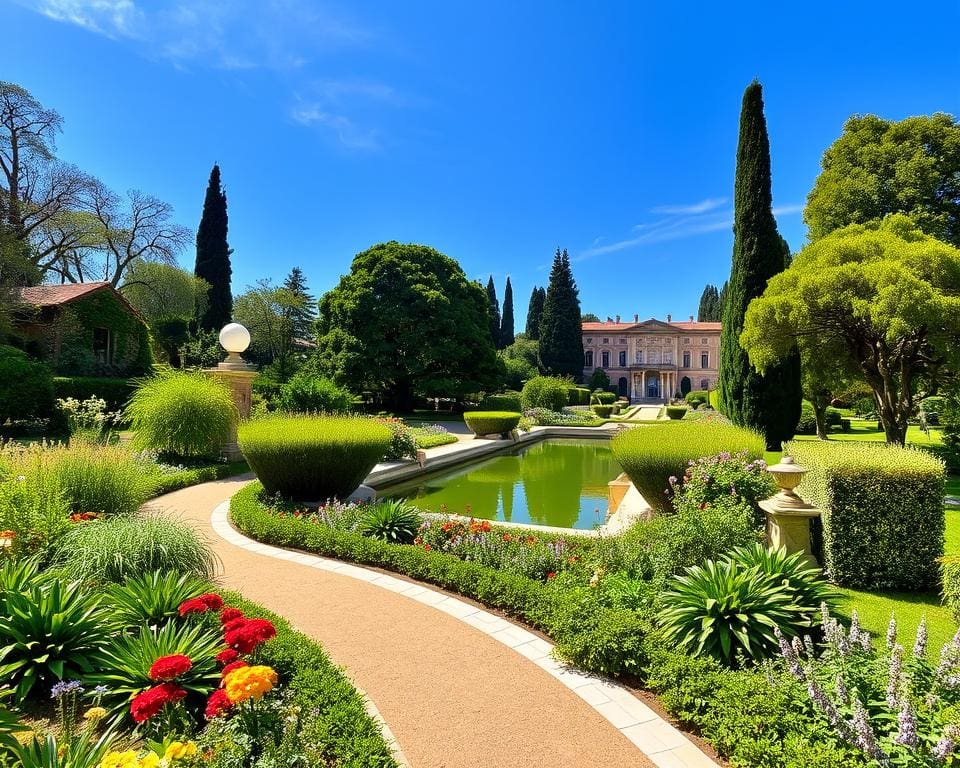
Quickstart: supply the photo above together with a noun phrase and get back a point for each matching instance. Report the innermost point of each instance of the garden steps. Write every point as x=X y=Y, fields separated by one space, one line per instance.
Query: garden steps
x=459 y=686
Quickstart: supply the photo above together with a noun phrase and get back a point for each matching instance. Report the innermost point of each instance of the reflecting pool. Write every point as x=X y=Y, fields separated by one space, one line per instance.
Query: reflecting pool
x=554 y=482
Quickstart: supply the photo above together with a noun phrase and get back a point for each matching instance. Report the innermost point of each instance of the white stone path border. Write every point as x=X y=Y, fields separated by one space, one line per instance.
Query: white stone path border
x=666 y=746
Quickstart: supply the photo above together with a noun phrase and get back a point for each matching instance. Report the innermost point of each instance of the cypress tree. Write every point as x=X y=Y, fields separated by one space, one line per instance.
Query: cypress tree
x=709 y=310
x=213 y=256
x=768 y=403
x=561 y=338
x=506 y=322
x=535 y=312
x=494 y=312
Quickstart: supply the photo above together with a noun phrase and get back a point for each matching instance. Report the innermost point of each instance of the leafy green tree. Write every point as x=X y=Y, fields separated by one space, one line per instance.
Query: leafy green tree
x=768 y=402
x=882 y=299
x=494 y=304
x=878 y=167
x=535 y=312
x=506 y=335
x=159 y=291
x=407 y=322
x=213 y=256
x=599 y=379
x=301 y=308
x=589 y=317
x=709 y=310
x=269 y=312
x=561 y=337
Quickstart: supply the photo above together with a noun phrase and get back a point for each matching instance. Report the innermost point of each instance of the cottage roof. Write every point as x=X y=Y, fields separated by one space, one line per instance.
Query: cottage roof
x=58 y=295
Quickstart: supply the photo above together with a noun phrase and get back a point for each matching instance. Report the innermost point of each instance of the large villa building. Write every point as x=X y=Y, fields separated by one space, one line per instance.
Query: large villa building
x=653 y=360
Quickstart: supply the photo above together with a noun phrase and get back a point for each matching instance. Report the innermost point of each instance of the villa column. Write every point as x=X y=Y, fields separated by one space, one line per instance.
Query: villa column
x=643 y=384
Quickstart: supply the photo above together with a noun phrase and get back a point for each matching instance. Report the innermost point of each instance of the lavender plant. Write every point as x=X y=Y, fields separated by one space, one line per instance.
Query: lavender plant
x=897 y=707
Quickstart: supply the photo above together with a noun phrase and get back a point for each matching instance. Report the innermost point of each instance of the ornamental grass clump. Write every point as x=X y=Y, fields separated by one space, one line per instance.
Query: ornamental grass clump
x=181 y=414
x=313 y=457
x=491 y=422
x=652 y=454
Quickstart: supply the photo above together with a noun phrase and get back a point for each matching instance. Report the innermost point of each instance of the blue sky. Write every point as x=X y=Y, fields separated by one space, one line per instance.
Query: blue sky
x=494 y=132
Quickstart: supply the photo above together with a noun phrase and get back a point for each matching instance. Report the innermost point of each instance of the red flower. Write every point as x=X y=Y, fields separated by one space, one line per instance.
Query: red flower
x=427 y=547
x=233 y=624
x=551 y=575
x=148 y=703
x=249 y=635
x=193 y=605
x=225 y=657
x=229 y=614
x=232 y=666
x=170 y=667
x=507 y=537
x=212 y=600
x=218 y=704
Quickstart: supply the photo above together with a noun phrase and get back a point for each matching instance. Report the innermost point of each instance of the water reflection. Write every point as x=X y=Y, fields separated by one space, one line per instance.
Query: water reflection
x=555 y=482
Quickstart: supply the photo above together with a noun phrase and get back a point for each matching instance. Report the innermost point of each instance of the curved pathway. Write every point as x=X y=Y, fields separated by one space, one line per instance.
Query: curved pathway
x=455 y=694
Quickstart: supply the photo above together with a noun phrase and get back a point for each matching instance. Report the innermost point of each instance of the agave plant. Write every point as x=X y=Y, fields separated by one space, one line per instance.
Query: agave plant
x=9 y=725
x=18 y=575
x=150 y=599
x=393 y=521
x=725 y=611
x=806 y=583
x=123 y=665
x=48 y=632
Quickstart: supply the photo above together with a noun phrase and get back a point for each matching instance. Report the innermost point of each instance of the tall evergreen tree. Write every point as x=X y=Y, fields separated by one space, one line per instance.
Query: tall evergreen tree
x=709 y=310
x=535 y=312
x=561 y=338
x=213 y=256
x=768 y=403
x=506 y=322
x=302 y=310
x=722 y=301
x=494 y=312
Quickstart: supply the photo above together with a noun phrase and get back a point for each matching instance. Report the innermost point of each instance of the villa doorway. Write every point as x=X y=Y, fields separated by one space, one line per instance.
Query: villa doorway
x=623 y=387
x=653 y=385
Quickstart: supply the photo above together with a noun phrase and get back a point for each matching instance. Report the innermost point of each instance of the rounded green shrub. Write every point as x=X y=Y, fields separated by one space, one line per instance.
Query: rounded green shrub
x=181 y=414
x=603 y=397
x=27 y=389
x=313 y=457
x=305 y=393
x=603 y=411
x=507 y=401
x=491 y=422
x=697 y=397
x=395 y=522
x=653 y=453
x=547 y=392
x=676 y=412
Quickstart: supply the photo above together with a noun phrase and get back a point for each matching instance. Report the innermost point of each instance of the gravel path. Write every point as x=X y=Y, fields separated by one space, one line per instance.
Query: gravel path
x=452 y=696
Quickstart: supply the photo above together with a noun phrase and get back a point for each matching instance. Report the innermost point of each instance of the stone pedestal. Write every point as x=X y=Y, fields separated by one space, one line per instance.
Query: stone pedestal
x=790 y=529
x=239 y=376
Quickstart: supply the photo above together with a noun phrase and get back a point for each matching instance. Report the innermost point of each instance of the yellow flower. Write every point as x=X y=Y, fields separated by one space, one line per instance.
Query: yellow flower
x=95 y=713
x=149 y=760
x=180 y=750
x=249 y=683
x=126 y=759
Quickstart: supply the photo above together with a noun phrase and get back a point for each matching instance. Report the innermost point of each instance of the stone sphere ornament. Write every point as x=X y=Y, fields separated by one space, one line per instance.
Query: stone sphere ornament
x=234 y=338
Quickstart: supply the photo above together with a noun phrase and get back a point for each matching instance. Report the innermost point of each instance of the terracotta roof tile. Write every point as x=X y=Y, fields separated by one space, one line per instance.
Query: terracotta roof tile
x=54 y=295
x=684 y=326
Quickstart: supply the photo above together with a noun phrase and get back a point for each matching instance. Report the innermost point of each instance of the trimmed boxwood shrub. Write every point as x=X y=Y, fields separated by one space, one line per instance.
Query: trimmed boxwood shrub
x=715 y=399
x=883 y=522
x=653 y=453
x=578 y=395
x=697 y=397
x=603 y=397
x=676 y=412
x=181 y=414
x=507 y=401
x=313 y=457
x=26 y=386
x=115 y=391
x=547 y=392
x=603 y=411
x=491 y=422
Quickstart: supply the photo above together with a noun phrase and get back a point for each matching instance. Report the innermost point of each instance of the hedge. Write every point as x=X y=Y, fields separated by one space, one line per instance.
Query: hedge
x=25 y=386
x=578 y=395
x=808 y=419
x=545 y=392
x=196 y=475
x=491 y=422
x=715 y=399
x=506 y=401
x=950 y=578
x=603 y=397
x=882 y=523
x=697 y=396
x=603 y=411
x=313 y=457
x=333 y=712
x=650 y=454
x=676 y=412
x=116 y=391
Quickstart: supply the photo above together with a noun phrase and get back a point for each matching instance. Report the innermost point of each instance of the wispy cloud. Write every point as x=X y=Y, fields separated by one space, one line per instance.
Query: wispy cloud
x=113 y=18
x=709 y=204
x=347 y=132
x=678 y=222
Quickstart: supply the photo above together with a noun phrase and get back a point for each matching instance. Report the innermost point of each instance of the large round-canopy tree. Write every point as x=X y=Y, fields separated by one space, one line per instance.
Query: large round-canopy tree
x=406 y=321
x=882 y=299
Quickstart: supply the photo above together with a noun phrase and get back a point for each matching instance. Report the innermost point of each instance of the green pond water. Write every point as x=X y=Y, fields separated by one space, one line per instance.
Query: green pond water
x=554 y=482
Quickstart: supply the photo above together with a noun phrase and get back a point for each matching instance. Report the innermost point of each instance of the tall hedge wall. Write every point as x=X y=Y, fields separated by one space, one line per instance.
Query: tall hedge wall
x=116 y=391
x=883 y=522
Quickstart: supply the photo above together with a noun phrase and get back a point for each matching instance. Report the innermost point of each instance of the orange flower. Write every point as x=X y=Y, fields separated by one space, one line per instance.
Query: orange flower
x=8 y=534
x=427 y=547
x=507 y=537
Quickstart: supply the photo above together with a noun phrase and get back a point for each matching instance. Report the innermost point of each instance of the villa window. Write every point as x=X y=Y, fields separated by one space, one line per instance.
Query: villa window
x=623 y=341
x=605 y=357
x=704 y=383
x=668 y=358
x=705 y=360
x=623 y=359
x=639 y=357
x=101 y=345
x=704 y=340
x=686 y=341
x=606 y=341
x=588 y=359
x=686 y=359
x=589 y=339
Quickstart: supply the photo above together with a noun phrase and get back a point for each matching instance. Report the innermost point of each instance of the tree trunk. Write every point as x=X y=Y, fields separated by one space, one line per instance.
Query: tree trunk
x=820 y=414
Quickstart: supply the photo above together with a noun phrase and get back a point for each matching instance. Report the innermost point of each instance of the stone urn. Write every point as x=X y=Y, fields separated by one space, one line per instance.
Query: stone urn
x=788 y=515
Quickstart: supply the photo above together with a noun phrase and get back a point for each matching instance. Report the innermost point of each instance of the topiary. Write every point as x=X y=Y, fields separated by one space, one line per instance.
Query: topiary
x=603 y=411
x=306 y=393
x=547 y=392
x=313 y=457
x=676 y=412
x=27 y=390
x=491 y=422
x=507 y=401
x=395 y=522
x=182 y=414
